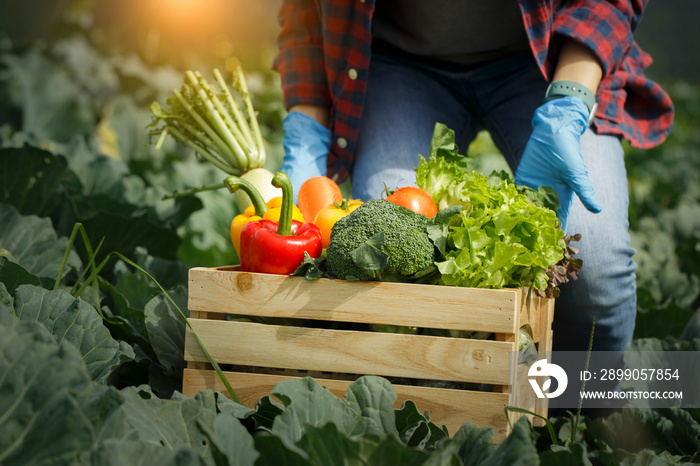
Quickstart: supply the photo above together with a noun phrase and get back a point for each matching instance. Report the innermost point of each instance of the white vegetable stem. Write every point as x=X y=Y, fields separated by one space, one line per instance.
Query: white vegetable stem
x=234 y=154
x=241 y=86
x=211 y=122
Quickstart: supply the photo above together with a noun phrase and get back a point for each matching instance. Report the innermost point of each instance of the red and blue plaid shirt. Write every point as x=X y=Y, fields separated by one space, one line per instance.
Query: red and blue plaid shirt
x=325 y=50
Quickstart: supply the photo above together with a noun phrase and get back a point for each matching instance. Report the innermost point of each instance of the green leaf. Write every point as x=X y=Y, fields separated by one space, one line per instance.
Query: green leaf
x=75 y=321
x=40 y=417
x=275 y=452
x=170 y=273
x=307 y=404
x=120 y=452
x=35 y=181
x=633 y=430
x=166 y=329
x=32 y=243
x=171 y=423
x=391 y=451
x=443 y=140
x=415 y=429
x=13 y=275
x=56 y=112
x=374 y=397
x=327 y=446
x=475 y=443
x=231 y=443
x=573 y=454
x=517 y=449
x=126 y=232
x=692 y=328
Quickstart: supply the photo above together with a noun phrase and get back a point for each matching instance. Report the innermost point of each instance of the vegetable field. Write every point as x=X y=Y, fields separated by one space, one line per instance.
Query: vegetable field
x=95 y=246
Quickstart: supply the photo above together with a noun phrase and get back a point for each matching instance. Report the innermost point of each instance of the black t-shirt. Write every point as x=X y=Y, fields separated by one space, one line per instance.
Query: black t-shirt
x=458 y=32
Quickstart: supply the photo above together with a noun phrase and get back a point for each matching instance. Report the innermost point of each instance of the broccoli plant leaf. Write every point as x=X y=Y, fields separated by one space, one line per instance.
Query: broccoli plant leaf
x=374 y=398
x=275 y=452
x=231 y=443
x=166 y=329
x=34 y=180
x=38 y=412
x=415 y=429
x=307 y=404
x=174 y=423
x=73 y=320
x=32 y=242
x=475 y=443
x=12 y=275
x=118 y=452
x=518 y=448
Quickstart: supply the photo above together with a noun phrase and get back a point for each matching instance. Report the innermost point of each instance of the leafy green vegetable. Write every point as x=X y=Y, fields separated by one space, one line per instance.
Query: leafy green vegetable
x=499 y=237
x=500 y=240
x=442 y=176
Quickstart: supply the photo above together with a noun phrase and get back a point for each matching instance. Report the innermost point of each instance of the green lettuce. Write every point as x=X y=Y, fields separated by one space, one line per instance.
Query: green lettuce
x=498 y=237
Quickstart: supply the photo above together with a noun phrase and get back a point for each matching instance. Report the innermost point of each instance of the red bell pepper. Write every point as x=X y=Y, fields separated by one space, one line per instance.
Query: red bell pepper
x=278 y=247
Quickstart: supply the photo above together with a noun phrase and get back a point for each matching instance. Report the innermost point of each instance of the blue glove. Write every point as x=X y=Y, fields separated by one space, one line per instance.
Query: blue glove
x=306 y=144
x=553 y=158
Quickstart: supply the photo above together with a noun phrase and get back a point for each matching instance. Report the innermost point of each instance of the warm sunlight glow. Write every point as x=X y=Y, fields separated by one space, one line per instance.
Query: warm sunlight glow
x=178 y=29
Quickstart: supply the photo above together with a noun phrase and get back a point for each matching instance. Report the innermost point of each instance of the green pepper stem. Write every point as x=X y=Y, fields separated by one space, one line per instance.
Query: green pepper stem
x=284 y=226
x=234 y=183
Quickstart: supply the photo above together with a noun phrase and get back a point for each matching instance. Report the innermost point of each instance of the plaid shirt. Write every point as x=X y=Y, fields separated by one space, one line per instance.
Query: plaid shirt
x=325 y=49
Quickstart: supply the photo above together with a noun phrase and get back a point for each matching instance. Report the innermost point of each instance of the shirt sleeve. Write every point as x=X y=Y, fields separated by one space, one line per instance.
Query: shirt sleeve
x=606 y=27
x=300 y=59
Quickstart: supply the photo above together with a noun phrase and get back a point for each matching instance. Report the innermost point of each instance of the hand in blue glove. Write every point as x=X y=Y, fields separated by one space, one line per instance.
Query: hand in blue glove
x=553 y=158
x=306 y=144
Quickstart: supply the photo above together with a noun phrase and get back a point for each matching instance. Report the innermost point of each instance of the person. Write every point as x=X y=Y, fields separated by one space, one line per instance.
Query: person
x=558 y=85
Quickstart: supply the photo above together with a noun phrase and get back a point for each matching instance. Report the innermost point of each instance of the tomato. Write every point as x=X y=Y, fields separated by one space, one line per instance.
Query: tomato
x=326 y=218
x=415 y=199
x=317 y=193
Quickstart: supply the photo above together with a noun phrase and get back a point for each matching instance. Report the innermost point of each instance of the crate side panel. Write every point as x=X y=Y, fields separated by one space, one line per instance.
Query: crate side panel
x=523 y=396
x=531 y=309
x=362 y=353
x=235 y=292
x=451 y=408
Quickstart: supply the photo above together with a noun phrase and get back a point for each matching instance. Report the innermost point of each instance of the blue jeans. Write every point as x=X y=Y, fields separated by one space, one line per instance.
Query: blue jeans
x=405 y=100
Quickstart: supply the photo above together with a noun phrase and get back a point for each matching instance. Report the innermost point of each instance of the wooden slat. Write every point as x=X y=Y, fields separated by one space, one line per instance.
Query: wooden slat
x=546 y=315
x=385 y=354
x=226 y=290
x=198 y=364
x=451 y=408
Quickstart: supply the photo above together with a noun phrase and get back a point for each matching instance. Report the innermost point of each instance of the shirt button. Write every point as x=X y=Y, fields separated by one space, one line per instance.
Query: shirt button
x=342 y=143
x=352 y=73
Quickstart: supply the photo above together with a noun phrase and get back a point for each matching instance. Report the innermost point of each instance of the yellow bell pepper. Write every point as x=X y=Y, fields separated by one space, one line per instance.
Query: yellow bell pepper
x=237 y=224
x=274 y=208
x=253 y=213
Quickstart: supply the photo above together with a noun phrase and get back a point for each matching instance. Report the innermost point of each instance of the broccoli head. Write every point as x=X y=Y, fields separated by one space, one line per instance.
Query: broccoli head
x=380 y=240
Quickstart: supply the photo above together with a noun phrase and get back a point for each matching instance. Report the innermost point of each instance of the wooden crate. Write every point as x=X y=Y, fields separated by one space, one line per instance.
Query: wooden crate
x=255 y=356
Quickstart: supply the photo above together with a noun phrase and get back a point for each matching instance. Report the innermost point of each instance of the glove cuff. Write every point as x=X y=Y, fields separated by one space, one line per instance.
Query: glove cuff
x=298 y=124
x=558 y=89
